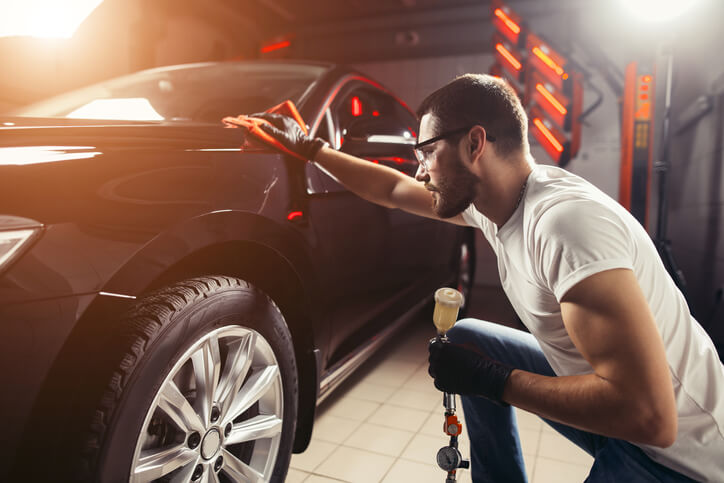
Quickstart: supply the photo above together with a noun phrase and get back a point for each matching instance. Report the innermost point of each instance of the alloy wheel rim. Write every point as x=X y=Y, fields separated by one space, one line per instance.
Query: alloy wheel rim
x=219 y=411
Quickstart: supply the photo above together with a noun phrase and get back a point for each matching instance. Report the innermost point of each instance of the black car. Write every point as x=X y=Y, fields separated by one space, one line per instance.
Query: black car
x=174 y=299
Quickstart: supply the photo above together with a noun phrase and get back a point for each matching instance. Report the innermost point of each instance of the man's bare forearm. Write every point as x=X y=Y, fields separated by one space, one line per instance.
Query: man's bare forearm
x=587 y=402
x=370 y=181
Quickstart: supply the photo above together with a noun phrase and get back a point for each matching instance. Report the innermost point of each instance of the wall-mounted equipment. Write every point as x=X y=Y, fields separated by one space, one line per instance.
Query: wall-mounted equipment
x=498 y=71
x=555 y=142
x=551 y=84
x=509 y=57
x=508 y=23
x=637 y=140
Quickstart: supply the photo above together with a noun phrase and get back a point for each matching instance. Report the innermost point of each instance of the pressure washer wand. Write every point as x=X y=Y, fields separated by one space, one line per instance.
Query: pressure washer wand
x=447 y=305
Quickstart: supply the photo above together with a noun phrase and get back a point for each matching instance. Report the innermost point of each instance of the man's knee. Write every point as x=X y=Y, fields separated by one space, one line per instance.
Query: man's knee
x=506 y=344
x=463 y=326
x=469 y=330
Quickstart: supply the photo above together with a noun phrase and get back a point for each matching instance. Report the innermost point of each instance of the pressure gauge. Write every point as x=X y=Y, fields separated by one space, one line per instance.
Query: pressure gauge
x=449 y=458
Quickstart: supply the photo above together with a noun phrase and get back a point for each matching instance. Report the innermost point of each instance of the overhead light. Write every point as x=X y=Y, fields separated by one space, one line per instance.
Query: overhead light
x=657 y=10
x=44 y=18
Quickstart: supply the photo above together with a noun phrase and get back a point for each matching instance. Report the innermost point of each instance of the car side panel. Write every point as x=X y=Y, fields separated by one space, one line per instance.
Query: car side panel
x=37 y=330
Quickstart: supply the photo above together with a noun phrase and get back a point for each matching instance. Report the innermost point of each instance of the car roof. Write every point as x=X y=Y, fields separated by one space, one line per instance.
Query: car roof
x=301 y=63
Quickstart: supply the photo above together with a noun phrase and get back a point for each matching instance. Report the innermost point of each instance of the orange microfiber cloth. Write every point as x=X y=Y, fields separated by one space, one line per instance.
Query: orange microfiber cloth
x=252 y=124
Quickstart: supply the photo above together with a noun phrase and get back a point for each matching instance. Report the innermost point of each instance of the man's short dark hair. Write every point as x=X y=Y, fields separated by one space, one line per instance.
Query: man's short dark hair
x=479 y=99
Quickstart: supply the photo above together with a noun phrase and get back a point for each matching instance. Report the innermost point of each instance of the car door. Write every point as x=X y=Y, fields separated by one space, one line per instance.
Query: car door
x=413 y=244
x=394 y=251
x=350 y=234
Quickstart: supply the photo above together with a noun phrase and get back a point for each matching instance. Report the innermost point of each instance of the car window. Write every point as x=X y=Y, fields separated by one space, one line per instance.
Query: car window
x=326 y=129
x=199 y=92
x=383 y=114
x=379 y=113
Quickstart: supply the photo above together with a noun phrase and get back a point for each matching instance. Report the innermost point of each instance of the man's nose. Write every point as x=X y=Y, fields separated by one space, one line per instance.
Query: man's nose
x=421 y=174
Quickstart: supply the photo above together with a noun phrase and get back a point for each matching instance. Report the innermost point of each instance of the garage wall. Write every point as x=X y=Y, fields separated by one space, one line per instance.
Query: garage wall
x=696 y=216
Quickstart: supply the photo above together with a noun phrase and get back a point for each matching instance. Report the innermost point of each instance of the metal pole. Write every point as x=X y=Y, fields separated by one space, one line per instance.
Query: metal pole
x=662 y=166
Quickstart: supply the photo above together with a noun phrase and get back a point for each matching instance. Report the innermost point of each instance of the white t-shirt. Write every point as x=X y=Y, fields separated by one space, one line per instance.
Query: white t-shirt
x=565 y=230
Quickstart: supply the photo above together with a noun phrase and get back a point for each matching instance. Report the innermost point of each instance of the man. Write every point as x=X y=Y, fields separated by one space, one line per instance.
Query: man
x=614 y=361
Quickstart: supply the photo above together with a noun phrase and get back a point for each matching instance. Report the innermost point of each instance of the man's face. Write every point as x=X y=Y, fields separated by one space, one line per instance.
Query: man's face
x=452 y=184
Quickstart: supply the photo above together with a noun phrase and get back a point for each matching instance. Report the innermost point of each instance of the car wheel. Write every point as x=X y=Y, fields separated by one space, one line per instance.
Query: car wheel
x=466 y=270
x=206 y=390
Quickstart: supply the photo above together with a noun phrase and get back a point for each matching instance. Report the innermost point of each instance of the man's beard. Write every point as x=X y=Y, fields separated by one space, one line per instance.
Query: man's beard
x=455 y=192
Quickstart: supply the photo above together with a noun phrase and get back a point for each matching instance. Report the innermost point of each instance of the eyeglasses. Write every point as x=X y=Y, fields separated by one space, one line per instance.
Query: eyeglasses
x=425 y=157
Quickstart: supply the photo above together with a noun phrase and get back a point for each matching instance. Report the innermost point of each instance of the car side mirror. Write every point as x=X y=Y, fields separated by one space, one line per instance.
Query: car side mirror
x=369 y=137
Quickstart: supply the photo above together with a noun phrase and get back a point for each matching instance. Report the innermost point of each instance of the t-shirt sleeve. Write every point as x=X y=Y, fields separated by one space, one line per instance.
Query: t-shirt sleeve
x=579 y=238
x=477 y=220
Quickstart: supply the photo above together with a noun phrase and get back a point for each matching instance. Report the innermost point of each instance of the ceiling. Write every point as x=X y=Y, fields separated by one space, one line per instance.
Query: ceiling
x=372 y=30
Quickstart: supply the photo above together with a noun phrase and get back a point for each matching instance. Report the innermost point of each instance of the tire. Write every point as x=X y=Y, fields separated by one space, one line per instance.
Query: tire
x=206 y=389
x=466 y=270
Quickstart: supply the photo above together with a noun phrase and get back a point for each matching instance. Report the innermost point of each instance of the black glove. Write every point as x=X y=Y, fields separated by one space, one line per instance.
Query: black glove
x=466 y=371
x=286 y=130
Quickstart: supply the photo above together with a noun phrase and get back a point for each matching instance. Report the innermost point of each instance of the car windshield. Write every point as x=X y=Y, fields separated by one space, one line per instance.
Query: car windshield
x=200 y=92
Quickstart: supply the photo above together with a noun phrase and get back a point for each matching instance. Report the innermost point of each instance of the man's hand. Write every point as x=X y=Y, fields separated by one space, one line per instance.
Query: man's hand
x=459 y=370
x=286 y=130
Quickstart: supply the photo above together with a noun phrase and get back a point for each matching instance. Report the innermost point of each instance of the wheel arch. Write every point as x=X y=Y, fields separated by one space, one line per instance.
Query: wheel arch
x=231 y=243
x=268 y=271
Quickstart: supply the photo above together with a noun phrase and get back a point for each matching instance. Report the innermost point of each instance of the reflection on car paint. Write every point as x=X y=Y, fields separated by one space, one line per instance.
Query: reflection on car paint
x=44 y=154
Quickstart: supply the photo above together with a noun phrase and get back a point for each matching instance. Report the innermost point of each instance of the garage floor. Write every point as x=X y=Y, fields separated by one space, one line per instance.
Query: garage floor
x=384 y=424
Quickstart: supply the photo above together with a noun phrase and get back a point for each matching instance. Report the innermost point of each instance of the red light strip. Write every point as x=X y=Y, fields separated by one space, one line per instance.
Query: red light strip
x=549 y=135
x=507 y=21
x=294 y=214
x=549 y=62
x=508 y=56
x=550 y=98
x=276 y=46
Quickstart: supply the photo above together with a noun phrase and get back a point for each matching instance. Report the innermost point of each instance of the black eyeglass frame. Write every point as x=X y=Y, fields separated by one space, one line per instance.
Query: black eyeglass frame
x=451 y=133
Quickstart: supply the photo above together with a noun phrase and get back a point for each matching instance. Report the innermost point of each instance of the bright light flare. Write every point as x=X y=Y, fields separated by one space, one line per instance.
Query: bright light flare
x=44 y=18
x=121 y=109
x=657 y=10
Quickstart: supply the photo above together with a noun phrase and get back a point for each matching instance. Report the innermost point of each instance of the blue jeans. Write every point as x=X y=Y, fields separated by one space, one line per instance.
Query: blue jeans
x=495 y=446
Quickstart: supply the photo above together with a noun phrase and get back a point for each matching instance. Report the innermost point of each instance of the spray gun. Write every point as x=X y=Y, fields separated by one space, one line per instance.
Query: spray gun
x=447 y=304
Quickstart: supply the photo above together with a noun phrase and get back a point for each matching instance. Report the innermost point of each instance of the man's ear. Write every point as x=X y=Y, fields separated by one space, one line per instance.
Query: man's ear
x=476 y=138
